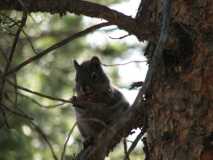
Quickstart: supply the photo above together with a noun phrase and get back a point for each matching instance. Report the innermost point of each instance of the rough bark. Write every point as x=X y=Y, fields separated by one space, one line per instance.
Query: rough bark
x=180 y=112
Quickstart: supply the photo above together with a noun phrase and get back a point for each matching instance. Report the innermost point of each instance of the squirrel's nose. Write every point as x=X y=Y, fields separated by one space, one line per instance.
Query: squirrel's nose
x=87 y=89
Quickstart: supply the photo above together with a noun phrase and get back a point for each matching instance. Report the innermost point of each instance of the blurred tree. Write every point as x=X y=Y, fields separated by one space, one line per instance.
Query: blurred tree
x=52 y=75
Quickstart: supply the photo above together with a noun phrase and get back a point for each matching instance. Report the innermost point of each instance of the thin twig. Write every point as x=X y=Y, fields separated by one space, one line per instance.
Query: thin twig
x=125 y=150
x=39 y=94
x=9 y=61
x=17 y=108
x=39 y=104
x=136 y=85
x=21 y=114
x=3 y=112
x=122 y=64
x=121 y=37
x=57 y=45
x=23 y=22
x=68 y=137
x=23 y=31
x=44 y=136
x=134 y=144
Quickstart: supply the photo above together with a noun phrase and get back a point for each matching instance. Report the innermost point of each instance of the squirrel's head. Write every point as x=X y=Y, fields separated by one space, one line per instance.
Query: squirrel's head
x=90 y=77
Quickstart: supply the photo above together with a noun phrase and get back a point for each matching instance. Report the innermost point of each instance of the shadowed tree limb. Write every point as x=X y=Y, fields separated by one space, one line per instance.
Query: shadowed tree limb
x=80 y=7
x=9 y=61
x=32 y=100
x=39 y=94
x=134 y=144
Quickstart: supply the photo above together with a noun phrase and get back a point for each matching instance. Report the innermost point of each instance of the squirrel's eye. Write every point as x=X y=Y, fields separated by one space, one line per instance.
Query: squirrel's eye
x=94 y=75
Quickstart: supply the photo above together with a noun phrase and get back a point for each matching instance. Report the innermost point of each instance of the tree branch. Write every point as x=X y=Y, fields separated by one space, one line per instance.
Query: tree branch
x=126 y=155
x=134 y=144
x=23 y=21
x=39 y=94
x=32 y=100
x=81 y=7
x=57 y=45
x=67 y=139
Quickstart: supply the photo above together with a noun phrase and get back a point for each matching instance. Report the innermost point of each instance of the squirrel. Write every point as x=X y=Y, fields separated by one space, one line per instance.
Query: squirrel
x=98 y=104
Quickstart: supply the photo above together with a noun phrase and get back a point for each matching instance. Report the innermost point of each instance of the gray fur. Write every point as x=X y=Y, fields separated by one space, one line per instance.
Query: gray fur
x=108 y=105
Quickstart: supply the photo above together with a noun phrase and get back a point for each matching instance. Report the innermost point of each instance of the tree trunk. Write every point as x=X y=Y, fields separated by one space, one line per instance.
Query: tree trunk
x=180 y=112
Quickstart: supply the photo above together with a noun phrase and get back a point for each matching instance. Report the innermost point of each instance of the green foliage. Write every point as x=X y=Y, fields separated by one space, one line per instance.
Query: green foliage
x=51 y=75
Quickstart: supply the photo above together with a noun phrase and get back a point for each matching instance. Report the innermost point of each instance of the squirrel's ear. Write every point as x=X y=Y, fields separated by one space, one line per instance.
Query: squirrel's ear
x=76 y=65
x=95 y=60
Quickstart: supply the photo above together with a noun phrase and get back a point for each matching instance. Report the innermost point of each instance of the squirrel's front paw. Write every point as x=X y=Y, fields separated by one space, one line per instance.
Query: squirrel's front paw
x=74 y=101
x=79 y=101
